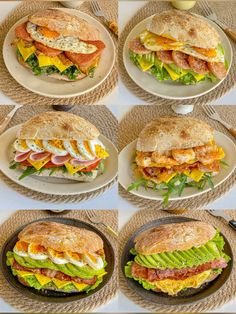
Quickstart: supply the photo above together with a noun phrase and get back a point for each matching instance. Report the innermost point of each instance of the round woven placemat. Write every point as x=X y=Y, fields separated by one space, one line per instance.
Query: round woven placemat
x=101 y=116
x=21 y=95
x=225 y=10
x=134 y=121
x=222 y=296
x=25 y=304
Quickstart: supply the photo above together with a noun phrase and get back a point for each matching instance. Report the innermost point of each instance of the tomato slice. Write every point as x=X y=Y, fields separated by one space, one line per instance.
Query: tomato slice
x=26 y=163
x=91 y=167
x=50 y=165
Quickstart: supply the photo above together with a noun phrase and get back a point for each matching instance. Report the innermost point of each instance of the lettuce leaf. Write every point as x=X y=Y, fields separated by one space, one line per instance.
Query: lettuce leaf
x=195 y=256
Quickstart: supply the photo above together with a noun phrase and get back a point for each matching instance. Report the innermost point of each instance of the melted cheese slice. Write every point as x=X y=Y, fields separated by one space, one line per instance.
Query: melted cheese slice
x=26 y=52
x=72 y=169
x=38 y=164
x=166 y=177
x=196 y=175
x=175 y=76
x=172 y=287
x=49 y=61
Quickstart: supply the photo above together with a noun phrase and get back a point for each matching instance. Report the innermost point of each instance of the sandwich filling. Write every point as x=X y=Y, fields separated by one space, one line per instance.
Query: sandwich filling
x=47 y=52
x=174 y=271
x=176 y=169
x=81 y=157
x=44 y=268
x=165 y=58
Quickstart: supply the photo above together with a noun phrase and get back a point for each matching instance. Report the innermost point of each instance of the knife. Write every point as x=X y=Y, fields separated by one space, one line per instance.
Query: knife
x=8 y=118
x=220 y=213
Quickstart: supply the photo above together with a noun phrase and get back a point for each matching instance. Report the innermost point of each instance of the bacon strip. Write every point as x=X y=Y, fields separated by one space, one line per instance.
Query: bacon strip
x=21 y=32
x=55 y=274
x=152 y=274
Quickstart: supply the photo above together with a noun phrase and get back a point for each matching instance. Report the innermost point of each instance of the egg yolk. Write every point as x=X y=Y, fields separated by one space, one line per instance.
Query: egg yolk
x=48 y=33
x=56 y=253
x=76 y=256
x=36 y=248
x=86 y=145
x=206 y=52
x=74 y=146
x=23 y=144
x=92 y=257
x=57 y=144
x=22 y=246
x=39 y=143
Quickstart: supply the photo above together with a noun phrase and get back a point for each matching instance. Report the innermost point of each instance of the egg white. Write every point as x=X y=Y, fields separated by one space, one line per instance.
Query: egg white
x=99 y=264
x=65 y=43
x=73 y=260
x=20 y=253
x=34 y=147
x=36 y=256
x=82 y=149
x=56 y=259
x=18 y=146
x=71 y=150
x=53 y=149
x=92 y=145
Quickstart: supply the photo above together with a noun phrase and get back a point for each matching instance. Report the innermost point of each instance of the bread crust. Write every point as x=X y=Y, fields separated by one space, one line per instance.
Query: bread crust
x=172 y=237
x=61 y=237
x=185 y=27
x=166 y=133
x=65 y=24
x=58 y=125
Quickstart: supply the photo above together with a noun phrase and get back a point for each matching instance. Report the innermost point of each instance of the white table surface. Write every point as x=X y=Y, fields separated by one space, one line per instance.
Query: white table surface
x=11 y=201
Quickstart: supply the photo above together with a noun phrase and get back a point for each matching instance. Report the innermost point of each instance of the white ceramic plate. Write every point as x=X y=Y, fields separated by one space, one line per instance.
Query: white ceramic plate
x=126 y=176
x=49 y=87
x=169 y=89
x=56 y=186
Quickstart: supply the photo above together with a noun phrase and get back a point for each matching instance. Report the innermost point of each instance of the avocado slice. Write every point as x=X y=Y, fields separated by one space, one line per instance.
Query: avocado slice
x=159 y=260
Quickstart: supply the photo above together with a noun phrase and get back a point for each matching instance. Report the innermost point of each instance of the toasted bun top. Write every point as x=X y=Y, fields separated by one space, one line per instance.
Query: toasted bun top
x=58 y=125
x=61 y=237
x=172 y=237
x=185 y=27
x=65 y=24
x=166 y=133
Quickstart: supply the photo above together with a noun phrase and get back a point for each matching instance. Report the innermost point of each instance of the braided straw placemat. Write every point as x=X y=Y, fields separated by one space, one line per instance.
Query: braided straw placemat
x=225 y=11
x=134 y=121
x=21 y=95
x=98 y=115
x=222 y=296
x=25 y=304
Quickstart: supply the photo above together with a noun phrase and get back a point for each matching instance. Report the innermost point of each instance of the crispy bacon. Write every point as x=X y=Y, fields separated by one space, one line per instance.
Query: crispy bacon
x=55 y=274
x=152 y=274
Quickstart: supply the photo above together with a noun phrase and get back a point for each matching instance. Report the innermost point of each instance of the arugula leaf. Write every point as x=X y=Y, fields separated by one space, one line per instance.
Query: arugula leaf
x=224 y=164
x=101 y=167
x=53 y=170
x=14 y=165
x=135 y=185
x=27 y=172
x=208 y=178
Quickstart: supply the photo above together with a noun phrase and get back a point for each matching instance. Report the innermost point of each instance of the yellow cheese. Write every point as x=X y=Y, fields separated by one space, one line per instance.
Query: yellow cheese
x=24 y=273
x=198 y=77
x=72 y=169
x=221 y=153
x=38 y=164
x=101 y=275
x=26 y=52
x=80 y=286
x=172 y=287
x=195 y=174
x=145 y=65
x=172 y=73
x=101 y=152
x=49 y=61
x=166 y=177
x=43 y=280
x=60 y=283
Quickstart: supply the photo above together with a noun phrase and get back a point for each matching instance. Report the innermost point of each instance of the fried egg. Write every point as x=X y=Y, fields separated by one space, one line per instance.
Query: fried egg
x=55 y=147
x=65 y=43
x=21 y=146
x=94 y=261
x=154 y=42
x=35 y=145
x=57 y=257
x=75 y=258
x=37 y=252
x=72 y=149
x=21 y=249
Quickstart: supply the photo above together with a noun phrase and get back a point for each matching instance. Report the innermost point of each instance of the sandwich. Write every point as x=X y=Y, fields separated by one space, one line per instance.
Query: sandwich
x=58 y=44
x=173 y=258
x=58 y=144
x=181 y=47
x=173 y=153
x=58 y=257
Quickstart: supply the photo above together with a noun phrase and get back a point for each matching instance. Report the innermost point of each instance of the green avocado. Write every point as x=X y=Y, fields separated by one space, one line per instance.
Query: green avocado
x=159 y=260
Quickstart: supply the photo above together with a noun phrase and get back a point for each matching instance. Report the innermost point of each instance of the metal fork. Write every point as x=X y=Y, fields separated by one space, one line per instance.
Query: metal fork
x=8 y=118
x=97 y=219
x=112 y=25
x=211 y=15
x=210 y=111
